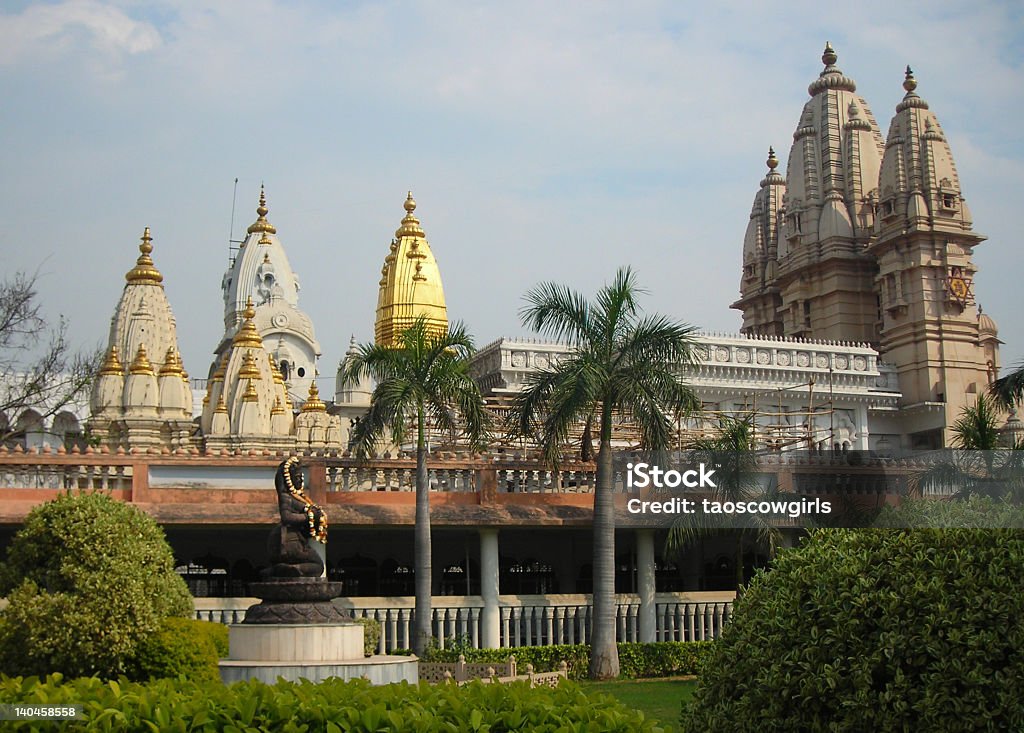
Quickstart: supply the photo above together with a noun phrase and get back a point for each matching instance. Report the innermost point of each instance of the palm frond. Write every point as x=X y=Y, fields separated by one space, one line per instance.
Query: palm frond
x=1009 y=390
x=558 y=312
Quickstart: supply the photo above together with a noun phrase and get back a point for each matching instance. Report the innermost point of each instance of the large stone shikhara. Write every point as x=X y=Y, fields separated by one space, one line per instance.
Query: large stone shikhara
x=294 y=590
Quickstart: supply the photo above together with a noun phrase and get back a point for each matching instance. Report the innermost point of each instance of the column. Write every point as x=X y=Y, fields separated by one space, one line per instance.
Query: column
x=490 y=617
x=645 y=582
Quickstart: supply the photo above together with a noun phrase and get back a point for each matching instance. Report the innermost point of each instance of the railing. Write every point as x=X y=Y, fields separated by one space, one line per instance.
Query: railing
x=525 y=620
x=544 y=620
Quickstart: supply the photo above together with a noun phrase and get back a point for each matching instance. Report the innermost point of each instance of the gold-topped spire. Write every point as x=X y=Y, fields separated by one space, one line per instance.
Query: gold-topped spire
x=909 y=82
x=172 y=364
x=141 y=363
x=278 y=408
x=249 y=369
x=248 y=336
x=222 y=406
x=144 y=270
x=250 y=394
x=261 y=224
x=410 y=224
x=772 y=161
x=112 y=365
x=313 y=402
x=278 y=377
x=410 y=283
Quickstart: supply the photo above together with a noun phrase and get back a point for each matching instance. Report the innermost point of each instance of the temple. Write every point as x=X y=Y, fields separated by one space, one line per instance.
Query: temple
x=861 y=337
x=871 y=242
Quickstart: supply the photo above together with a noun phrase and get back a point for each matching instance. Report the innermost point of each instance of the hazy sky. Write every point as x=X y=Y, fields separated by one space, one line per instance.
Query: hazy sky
x=542 y=141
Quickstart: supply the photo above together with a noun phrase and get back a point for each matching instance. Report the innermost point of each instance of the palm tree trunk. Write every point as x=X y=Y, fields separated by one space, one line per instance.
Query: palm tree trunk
x=421 y=549
x=604 y=655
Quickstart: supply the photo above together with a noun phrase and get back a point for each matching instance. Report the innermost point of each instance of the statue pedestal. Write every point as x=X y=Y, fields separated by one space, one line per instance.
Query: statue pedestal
x=297 y=633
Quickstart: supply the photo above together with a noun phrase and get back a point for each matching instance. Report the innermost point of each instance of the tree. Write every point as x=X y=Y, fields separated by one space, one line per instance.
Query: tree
x=38 y=368
x=623 y=364
x=977 y=465
x=731 y=451
x=1009 y=390
x=88 y=578
x=426 y=375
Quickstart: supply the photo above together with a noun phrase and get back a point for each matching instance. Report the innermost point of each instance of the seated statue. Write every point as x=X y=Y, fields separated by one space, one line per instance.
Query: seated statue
x=302 y=522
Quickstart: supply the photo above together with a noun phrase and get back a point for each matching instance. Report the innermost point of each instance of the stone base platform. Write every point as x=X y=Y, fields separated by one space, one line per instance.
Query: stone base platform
x=380 y=670
x=308 y=651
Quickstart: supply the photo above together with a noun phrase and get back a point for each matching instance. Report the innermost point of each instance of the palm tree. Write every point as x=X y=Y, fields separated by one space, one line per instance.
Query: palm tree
x=1009 y=390
x=624 y=364
x=977 y=465
x=731 y=451
x=425 y=375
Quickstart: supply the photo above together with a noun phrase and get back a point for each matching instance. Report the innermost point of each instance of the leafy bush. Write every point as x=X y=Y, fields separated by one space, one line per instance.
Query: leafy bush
x=371 y=635
x=863 y=630
x=87 y=577
x=333 y=706
x=181 y=647
x=636 y=660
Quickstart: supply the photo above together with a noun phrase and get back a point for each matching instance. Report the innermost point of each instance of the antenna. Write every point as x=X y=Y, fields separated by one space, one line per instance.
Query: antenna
x=232 y=249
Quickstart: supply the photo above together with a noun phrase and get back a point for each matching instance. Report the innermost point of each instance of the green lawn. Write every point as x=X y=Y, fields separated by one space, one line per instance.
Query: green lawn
x=657 y=698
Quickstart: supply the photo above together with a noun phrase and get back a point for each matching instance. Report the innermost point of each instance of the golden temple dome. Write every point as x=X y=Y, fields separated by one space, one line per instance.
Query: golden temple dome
x=248 y=336
x=144 y=270
x=261 y=224
x=112 y=365
x=141 y=364
x=410 y=284
x=313 y=402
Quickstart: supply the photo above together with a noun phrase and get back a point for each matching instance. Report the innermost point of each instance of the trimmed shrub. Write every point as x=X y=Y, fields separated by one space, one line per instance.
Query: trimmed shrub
x=334 y=705
x=371 y=635
x=863 y=630
x=636 y=660
x=87 y=577
x=180 y=647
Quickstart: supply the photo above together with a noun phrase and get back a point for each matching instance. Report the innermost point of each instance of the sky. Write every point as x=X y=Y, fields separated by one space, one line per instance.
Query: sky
x=542 y=141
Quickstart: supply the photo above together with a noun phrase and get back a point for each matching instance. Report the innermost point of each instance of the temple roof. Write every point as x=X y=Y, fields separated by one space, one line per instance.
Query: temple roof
x=410 y=284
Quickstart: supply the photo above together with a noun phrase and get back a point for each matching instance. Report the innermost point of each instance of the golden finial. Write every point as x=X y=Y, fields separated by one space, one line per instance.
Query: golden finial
x=144 y=271
x=249 y=369
x=909 y=82
x=772 y=161
x=222 y=365
x=248 y=336
x=265 y=240
x=278 y=377
x=277 y=409
x=261 y=224
x=410 y=224
x=172 y=364
x=112 y=365
x=250 y=393
x=141 y=364
x=313 y=402
x=222 y=406
x=830 y=57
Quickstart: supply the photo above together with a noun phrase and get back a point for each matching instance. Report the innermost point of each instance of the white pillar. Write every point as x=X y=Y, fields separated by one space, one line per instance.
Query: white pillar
x=490 y=617
x=645 y=582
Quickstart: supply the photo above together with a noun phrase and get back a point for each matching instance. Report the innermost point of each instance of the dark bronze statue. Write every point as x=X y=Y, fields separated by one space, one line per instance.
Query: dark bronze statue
x=302 y=522
x=294 y=591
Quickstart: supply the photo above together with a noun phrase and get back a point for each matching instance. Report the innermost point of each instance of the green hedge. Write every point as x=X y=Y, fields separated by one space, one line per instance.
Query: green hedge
x=182 y=647
x=371 y=635
x=87 y=577
x=333 y=706
x=636 y=660
x=874 y=630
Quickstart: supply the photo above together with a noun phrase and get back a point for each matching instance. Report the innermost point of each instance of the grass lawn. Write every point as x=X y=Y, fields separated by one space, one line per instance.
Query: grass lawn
x=657 y=698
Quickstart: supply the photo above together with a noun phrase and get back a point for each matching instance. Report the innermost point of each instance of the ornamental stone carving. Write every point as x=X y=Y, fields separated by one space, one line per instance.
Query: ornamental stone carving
x=722 y=355
x=842 y=362
x=763 y=357
x=518 y=359
x=860 y=363
x=821 y=361
x=802 y=359
x=783 y=358
x=742 y=356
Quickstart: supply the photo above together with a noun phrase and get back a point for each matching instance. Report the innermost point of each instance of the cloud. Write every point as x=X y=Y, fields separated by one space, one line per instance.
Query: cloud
x=46 y=31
